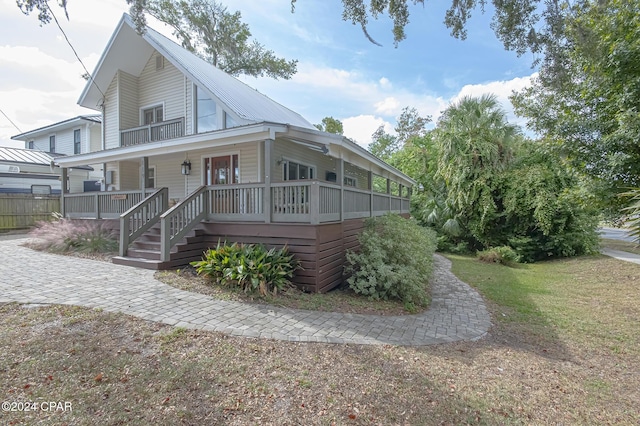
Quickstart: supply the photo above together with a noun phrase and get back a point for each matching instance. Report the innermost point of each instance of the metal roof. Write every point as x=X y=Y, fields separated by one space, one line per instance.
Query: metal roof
x=17 y=155
x=245 y=101
x=129 y=51
x=96 y=118
x=30 y=156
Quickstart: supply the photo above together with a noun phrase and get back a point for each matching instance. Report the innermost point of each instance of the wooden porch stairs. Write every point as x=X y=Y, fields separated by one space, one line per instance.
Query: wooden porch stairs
x=144 y=252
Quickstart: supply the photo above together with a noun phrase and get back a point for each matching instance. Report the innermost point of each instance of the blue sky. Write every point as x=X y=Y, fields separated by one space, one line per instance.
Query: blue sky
x=340 y=73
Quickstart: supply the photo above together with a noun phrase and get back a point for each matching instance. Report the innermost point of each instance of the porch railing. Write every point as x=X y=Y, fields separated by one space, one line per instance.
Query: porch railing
x=304 y=201
x=138 y=219
x=176 y=222
x=101 y=205
x=164 y=130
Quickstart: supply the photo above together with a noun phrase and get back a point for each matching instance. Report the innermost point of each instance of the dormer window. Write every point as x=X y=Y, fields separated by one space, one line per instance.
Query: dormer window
x=206 y=115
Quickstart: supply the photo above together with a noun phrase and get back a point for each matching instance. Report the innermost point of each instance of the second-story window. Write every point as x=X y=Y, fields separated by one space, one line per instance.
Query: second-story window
x=76 y=141
x=206 y=117
x=52 y=143
x=31 y=144
x=152 y=115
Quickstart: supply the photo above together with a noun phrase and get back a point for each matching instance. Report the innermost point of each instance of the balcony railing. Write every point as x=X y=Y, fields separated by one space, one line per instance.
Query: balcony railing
x=164 y=130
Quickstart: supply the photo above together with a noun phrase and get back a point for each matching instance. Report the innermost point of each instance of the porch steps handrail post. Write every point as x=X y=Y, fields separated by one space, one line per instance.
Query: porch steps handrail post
x=147 y=212
x=176 y=222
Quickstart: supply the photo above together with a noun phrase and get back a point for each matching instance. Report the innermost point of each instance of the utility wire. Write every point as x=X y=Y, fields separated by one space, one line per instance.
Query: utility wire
x=74 y=50
x=10 y=120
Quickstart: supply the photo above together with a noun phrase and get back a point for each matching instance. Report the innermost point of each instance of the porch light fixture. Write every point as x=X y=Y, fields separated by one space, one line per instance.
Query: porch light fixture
x=186 y=167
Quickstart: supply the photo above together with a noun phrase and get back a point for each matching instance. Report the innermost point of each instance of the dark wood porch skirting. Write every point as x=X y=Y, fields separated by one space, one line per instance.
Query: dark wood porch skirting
x=320 y=248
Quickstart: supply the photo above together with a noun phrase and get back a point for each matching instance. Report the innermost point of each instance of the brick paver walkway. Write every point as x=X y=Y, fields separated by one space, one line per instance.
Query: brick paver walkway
x=457 y=311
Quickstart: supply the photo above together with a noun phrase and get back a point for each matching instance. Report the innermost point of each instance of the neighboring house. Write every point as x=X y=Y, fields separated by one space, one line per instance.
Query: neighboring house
x=78 y=135
x=237 y=165
x=25 y=171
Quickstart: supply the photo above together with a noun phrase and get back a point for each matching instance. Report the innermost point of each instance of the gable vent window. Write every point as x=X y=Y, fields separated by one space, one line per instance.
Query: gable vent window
x=159 y=62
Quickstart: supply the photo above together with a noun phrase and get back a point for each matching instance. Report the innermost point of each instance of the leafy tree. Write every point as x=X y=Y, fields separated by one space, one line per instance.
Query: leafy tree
x=204 y=27
x=409 y=125
x=208 y=29
x=589 y=111
x=330 y=125
x=486 y=186
x=475 y=145
x=521 y=25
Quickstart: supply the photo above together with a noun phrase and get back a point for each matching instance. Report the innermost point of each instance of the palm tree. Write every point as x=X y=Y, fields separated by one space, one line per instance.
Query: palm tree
x=474 y=145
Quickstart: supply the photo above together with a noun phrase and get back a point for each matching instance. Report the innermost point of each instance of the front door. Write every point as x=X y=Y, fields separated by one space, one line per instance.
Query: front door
x=221 y=170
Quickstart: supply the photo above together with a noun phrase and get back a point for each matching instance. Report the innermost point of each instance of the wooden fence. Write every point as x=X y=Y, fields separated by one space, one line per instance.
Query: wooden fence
x=20 y=211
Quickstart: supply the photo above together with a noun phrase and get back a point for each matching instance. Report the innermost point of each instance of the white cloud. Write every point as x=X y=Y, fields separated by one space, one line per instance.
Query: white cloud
x=361 y=127
x=502 y=89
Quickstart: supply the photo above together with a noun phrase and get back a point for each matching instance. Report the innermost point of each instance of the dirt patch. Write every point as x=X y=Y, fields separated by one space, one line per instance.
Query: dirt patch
x=120 y=370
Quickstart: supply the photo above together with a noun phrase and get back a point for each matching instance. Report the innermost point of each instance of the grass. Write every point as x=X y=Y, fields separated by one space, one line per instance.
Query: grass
x=564 y=349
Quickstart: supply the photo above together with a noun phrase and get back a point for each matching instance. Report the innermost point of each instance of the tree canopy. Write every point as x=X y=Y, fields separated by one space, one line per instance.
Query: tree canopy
x=590 y=112
x=204 y=27
x=330 y=125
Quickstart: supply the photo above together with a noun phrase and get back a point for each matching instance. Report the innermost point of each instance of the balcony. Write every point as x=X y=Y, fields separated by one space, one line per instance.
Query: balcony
x=164 y=130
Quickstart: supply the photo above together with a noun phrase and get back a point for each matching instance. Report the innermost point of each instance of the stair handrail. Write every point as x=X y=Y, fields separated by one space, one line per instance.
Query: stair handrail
x=176 y=222
x=148 y=212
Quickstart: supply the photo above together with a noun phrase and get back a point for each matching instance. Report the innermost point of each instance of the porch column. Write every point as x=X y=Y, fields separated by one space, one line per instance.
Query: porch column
x=389 y=193
x=341 y=180
x=63 y=189
x=266 y=199
x=370 y=177
x=144 y=175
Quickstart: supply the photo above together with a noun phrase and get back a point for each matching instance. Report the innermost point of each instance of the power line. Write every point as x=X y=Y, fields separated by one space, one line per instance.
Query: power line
x=74 y=50
x=10 y=120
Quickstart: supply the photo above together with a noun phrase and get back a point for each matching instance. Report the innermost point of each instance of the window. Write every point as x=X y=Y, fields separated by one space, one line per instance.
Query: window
x=295 y=171
x=151 y=177
x=152 y=115
x=31 y=145
x=206 y=117
x=221 y=170
x=350 y=181
x=229 y=122
x=41 y=189
x=76 y=141
x=52 y=143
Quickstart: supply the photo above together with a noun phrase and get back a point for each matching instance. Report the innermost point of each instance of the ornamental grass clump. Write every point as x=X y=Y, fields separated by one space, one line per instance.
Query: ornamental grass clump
x=251 y=267
x=395 y=261
x=73 y=236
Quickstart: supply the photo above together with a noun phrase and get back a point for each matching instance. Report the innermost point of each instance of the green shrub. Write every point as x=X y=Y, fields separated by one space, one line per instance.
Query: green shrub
x=82 y=236
x=395 y=261
x=503 y=255
x=251 y=267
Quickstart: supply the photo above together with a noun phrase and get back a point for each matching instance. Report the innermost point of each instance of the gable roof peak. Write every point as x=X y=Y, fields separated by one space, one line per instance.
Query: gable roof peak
x=129 y=51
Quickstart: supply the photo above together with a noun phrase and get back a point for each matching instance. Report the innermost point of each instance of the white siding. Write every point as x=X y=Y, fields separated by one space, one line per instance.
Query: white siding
x=64 y=142
x=188 y=106
x=111 y=120
x=285 y=150
x=129 y=175
x=360 y=175
x=168 y=169
x=95 y=141
x=164 y=86
x=129 y=112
